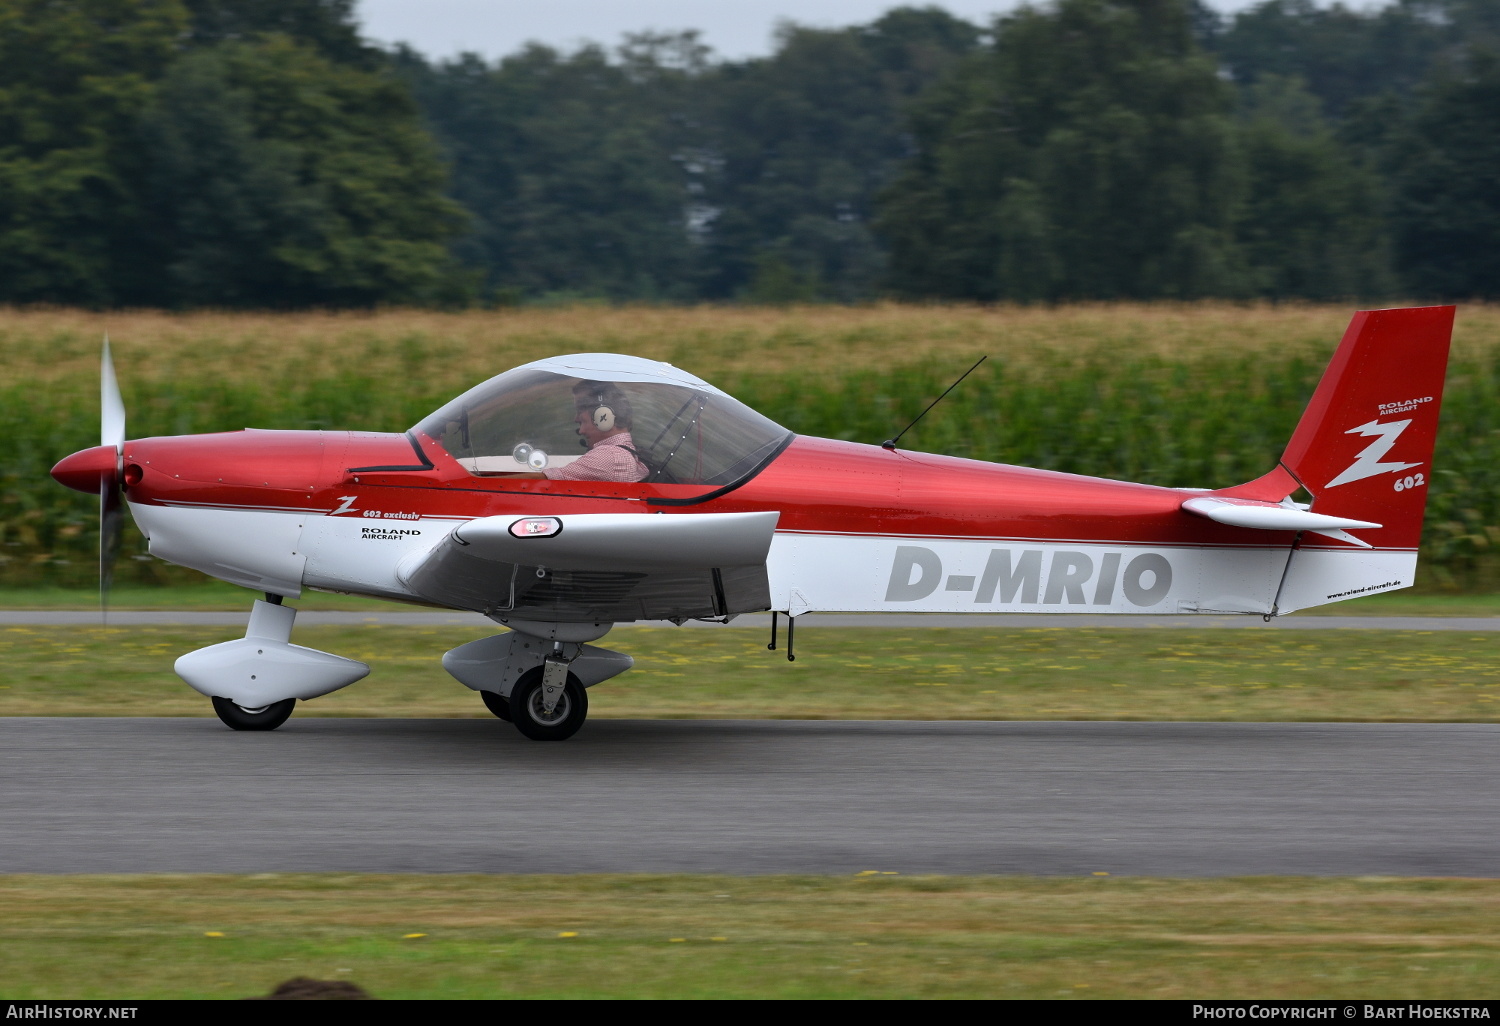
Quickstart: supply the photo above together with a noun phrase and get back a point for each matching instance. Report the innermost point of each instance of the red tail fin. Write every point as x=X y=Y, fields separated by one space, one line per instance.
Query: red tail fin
x=1363 y=448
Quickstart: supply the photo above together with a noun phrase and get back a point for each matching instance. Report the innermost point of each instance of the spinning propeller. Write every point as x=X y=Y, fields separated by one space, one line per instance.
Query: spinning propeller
x=111 y=515
x=100 y=470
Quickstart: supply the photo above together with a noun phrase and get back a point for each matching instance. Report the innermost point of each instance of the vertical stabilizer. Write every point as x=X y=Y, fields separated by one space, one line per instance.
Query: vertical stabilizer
x=1363 y=450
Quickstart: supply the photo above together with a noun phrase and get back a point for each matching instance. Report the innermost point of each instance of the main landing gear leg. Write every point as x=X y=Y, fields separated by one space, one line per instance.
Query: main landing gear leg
x=535 y=675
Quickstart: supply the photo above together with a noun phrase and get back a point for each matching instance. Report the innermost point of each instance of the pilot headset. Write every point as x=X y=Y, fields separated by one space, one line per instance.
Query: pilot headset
x=600 y=413
x=603 y=416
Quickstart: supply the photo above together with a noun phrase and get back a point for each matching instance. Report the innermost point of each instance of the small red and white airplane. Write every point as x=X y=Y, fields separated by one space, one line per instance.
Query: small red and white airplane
x=686 y=504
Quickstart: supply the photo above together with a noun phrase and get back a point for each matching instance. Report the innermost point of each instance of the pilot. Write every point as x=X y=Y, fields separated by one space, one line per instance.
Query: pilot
x=603 y=419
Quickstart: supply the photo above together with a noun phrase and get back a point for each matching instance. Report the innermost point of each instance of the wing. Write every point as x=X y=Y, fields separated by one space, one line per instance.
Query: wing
x=601 y=566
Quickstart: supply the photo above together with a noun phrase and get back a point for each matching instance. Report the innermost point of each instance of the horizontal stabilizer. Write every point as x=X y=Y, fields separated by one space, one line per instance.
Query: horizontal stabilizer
x=622 y=541
x=1272 y=516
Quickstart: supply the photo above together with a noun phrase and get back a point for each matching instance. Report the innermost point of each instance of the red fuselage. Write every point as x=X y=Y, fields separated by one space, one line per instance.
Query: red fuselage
x=818 y=485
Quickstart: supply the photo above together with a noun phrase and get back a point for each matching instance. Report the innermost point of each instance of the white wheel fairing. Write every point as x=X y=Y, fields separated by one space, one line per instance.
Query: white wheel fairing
x=256 y=672
x=263 y=667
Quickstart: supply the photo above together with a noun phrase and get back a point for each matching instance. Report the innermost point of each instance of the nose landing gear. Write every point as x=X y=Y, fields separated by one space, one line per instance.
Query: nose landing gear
x=255 y=682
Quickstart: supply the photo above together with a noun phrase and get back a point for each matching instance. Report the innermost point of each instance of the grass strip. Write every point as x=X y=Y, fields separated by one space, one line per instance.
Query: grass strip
x=203 y=595
x=840 y=673
x=874 y=935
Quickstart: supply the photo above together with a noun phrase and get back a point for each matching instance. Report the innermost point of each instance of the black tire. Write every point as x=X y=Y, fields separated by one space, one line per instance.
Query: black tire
x=567 y=716
x=268 y=718
x=497 y=704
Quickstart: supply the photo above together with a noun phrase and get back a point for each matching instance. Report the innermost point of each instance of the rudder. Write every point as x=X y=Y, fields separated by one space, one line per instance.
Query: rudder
x=1363 y=448
x=1363 y=451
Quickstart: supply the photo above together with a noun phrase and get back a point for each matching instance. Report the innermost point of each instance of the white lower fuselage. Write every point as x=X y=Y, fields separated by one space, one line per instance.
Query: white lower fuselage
x=282 y=552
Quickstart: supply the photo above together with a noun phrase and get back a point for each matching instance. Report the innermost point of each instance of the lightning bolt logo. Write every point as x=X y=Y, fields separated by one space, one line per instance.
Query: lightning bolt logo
x=346 y=504
x=1367 y=463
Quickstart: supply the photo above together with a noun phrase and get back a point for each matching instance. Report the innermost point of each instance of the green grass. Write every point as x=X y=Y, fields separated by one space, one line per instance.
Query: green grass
x=1406 y=603
x=876 y=936
x=840 y=673
x=205 y=594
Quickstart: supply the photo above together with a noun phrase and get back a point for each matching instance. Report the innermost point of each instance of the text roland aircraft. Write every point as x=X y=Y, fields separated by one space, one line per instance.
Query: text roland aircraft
x=577 y=492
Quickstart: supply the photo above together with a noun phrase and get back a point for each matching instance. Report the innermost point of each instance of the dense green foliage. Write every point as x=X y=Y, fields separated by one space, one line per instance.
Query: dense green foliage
x=259 y=153
x=1447 y=181
x=1347 y=55
x=657 y=173
x=803 y=142
x=1073 y=149
x=567 y=164
x=275 y=177
x=74 y=78
x=213 y=152
x=1089 y=152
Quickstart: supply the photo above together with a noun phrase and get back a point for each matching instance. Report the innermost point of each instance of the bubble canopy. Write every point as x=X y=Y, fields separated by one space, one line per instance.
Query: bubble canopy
x=681 y=429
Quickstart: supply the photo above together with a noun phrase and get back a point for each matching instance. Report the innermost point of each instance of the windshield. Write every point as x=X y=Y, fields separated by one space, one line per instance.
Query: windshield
x=638 y=419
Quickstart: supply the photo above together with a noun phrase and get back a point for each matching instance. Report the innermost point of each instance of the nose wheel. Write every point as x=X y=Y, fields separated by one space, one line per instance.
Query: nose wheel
x=267 y=717
x=528 y=707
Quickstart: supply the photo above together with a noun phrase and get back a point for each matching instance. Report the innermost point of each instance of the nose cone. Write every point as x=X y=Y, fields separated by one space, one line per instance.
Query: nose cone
x=83 y=470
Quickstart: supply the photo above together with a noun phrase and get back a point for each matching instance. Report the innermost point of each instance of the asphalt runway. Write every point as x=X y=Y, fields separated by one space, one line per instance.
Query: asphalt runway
x=750 y=797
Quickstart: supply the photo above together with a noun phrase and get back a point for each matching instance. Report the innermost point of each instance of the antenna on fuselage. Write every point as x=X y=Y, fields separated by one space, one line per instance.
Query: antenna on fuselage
x=890 y=443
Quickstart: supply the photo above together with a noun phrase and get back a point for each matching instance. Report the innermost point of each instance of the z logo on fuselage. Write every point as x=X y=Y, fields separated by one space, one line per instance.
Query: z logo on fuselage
x=1367 y=463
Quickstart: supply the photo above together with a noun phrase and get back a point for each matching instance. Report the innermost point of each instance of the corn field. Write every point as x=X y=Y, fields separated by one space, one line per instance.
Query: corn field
x=1201 y=395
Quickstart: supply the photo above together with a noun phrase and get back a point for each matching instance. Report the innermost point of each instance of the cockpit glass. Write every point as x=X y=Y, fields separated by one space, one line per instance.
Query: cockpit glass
x=670 y=432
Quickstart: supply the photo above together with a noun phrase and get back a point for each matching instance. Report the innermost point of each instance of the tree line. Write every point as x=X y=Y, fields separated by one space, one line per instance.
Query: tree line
x=260 y=153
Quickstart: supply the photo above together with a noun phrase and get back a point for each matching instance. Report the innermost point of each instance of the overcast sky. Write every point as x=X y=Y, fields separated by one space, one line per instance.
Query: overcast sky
x=734 y=28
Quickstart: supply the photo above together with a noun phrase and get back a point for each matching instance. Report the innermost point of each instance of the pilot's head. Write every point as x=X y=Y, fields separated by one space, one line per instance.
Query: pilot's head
x=602 y=409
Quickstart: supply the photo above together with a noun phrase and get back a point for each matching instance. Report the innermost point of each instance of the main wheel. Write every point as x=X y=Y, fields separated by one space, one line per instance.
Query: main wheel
x=497 y=704
x=267 y=717
x=567 y=715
